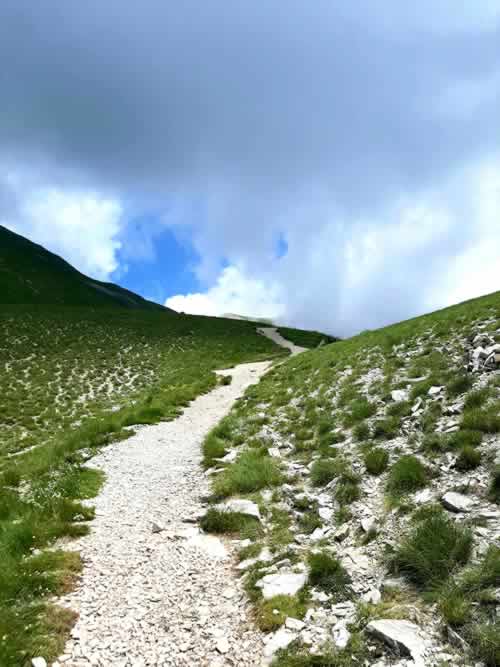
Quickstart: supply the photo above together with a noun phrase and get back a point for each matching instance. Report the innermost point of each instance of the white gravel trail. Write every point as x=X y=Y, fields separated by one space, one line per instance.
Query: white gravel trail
x=274 y=335
x=166 y=598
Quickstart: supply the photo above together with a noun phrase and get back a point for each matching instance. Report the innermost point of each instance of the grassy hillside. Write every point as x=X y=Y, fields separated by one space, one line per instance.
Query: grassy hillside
x=349 y=451
x=30 y=274
x=73 y=379
x=305 y=338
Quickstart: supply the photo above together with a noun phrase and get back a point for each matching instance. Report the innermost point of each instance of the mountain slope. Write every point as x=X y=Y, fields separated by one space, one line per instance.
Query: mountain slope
x=375 y=463
x=30 y=274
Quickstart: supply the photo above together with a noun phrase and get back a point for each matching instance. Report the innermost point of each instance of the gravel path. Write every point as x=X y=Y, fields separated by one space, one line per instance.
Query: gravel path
x=168 y=597
x=274 y=335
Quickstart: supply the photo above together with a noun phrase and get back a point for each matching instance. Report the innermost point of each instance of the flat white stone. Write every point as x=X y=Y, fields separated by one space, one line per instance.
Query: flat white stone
x=341 y=635
x=325 y=513
x=39 y=662
x=282 y=583
x=399 y=395
x=241 y=506
x=456 y=502
x=434 y=391
x=294 y=624
x=400 y=635
x=280 y=639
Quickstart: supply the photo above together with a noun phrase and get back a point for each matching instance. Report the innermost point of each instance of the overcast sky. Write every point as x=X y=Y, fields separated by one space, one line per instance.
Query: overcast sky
x=332 y=164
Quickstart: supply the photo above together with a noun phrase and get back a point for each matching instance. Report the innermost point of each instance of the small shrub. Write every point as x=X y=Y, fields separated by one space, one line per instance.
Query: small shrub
x=323 y=471
x=435 y=548
x=376 y=461
x=407 y=474
x=328 y=574
x=464 y=438
x=225 y=380
x=468 y=459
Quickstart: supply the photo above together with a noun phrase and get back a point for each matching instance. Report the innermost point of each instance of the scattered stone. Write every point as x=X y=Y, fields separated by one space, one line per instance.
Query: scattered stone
x=294 y=624
x=39 y=662
x=368 y=524
x=342 y=532
x=400 y=635
x=241 y=506
x=280 y=639
x=222 y=645
x=373 y=596
x=456 y=502
x=341 y=635
x=283 y=583
x=434 y=391
x=399 y=395
x=156 y=527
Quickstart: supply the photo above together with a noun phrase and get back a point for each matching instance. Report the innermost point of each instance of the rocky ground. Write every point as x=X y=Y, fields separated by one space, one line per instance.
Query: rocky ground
x=363 y=531
x=154 y=590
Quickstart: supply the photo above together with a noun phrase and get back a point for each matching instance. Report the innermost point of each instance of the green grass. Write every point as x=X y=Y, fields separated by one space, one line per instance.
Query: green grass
x=433 y=550
x=328 y=574
x=271 y=614
x=376 y=461
x=252 y=471
x=305 y=338
x=406 y=475
x=72 y=379
x=222 y=522
x=323 y=471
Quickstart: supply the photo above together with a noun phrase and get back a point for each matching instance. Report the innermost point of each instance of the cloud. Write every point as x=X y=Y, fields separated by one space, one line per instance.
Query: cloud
x=341 y=129
x=233 y=293
x=83 y=227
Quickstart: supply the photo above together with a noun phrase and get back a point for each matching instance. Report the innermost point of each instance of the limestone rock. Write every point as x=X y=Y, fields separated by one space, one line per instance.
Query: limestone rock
x=399 y=395
x=341 y=634
x=39 y=662
x=280 y=639
x=401 y=635
x=456 y=502
x=282 y=583
x=241 y=506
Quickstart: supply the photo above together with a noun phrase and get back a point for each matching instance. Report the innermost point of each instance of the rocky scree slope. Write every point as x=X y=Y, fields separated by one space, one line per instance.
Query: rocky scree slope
x=363 y=482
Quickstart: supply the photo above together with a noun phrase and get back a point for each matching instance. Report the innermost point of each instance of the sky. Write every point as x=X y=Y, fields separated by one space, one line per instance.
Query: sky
x=331 y=165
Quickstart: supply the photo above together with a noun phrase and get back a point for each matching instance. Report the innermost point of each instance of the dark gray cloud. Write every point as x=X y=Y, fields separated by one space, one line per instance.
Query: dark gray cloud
x=280 y=117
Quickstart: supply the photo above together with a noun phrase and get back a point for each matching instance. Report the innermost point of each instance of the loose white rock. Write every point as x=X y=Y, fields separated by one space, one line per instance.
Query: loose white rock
x=39 y=662
x=341 y=635
x=456 y=502
x=399 y=395
x=294 y=624
x=280 y=639
x=283 y=583
x=241 y=506
x=400 y=635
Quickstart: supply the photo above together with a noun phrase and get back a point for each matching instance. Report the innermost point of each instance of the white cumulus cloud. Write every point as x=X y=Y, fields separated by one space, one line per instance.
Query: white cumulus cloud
x=233 y=292
x=81 y=226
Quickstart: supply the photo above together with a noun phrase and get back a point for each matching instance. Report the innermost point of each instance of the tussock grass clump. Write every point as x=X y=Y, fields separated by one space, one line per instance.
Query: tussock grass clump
x=486 y=420
x=494 y=493
x=399 y=409
x=376 y=461
x=454 y=606
x=468 y=459
x=323 y=471
x=406 y=475
x=477 y=398
x=459 y=384
x=252 y=471
x=359 y=410
x=361 y=432
x=485 y=640
x=272 y=613
x=222 y=522
x=328 y=574
x=435 y=548
x=387 y=428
